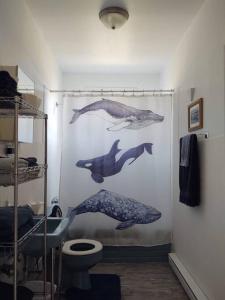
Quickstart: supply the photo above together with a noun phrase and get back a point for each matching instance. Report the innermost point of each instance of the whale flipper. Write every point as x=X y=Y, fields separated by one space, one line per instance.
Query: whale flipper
x=119 y=126
x=97 y=177
x=125 y=225
x=76 y=114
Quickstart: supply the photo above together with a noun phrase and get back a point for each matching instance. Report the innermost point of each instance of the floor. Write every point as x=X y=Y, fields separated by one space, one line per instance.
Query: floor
x=145 y=281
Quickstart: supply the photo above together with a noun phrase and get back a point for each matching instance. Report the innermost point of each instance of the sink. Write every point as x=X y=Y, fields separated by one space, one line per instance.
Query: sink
x=56 y=232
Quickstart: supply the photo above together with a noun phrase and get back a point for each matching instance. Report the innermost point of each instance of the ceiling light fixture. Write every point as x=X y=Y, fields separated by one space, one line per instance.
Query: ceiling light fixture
x=113 y=17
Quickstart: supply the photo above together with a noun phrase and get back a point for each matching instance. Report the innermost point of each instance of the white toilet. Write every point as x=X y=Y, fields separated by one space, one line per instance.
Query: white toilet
x=78 y=257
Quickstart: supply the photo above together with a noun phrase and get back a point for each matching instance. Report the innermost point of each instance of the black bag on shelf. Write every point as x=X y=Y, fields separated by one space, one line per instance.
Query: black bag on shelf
x=8 y=88
x=32 y=161
x=25 y=222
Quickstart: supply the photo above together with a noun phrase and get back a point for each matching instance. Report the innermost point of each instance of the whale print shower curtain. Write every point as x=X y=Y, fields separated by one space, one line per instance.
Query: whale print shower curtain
x=116 y=169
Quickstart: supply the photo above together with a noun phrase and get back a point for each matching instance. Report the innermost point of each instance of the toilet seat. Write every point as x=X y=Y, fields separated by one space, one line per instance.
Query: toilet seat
x=67 y=247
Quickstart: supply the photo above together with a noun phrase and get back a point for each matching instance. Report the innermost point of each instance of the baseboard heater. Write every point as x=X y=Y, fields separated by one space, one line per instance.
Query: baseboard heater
x=132 y=254
x=189 y=285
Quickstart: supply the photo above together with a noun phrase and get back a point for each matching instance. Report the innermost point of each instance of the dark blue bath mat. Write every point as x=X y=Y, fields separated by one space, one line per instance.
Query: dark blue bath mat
x=104 y=287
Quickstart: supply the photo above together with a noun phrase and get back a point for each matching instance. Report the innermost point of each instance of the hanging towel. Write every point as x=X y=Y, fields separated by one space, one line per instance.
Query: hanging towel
x=189 y=172
x=185 y=151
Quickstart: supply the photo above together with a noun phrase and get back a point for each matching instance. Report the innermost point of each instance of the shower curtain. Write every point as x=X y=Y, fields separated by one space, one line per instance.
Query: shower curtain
x=116 y=169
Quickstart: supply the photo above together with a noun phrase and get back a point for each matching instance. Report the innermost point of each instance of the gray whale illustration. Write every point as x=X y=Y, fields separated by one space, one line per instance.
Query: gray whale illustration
x=123 y=116
x=126 y=210
x=107 y=165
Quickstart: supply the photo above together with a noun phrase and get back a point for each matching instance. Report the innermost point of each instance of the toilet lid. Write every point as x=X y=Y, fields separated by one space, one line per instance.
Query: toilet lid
x=67 y=247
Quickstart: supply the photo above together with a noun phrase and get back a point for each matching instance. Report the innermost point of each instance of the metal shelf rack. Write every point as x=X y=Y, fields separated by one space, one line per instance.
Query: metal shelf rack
x=25 y=237
x=24 y=109
x=24 y=175
x=15 y=107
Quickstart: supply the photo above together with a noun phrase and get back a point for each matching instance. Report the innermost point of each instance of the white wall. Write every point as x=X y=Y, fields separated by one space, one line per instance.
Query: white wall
x=23 y=44
x=198 y=233
x=101 y=81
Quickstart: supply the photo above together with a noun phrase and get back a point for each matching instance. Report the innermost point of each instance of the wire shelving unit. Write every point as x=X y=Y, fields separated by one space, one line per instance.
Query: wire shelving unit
x=15 y=108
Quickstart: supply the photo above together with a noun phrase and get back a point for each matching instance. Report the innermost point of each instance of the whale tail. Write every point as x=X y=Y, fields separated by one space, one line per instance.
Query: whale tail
x=71 y=213
x=145 y=146
x=76 y=114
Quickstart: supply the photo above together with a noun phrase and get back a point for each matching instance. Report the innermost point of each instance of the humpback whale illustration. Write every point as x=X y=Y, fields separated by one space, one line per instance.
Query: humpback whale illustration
x=107 y=165
x=126 y=210
x=122 y=116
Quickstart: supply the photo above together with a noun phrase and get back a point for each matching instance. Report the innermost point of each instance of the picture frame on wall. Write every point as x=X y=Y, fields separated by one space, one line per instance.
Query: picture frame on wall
x=195 y=115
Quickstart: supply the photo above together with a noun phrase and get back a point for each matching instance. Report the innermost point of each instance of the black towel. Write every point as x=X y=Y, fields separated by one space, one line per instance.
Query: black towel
x=32 y=161
x=8 y=89
x=189 y=177
x=6 y=292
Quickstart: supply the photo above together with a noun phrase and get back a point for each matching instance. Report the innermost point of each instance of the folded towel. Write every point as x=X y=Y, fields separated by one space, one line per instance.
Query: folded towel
x=32 y=161
x=185 y=151
x=32 y=100
x=7 y=163
x=8 y=179
x=6 y=170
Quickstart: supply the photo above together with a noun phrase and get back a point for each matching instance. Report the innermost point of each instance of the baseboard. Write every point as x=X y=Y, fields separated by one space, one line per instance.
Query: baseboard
x=130 y=254
x=189 y=285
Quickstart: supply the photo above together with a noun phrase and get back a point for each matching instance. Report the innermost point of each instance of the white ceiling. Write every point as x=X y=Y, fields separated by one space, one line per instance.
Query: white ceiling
x=145 y=44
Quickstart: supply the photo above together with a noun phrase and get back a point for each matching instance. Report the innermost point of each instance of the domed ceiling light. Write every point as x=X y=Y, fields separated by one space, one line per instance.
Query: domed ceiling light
x=113 y=17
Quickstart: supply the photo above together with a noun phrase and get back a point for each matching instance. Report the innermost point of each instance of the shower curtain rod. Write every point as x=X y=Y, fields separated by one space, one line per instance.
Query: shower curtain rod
x=116 y=92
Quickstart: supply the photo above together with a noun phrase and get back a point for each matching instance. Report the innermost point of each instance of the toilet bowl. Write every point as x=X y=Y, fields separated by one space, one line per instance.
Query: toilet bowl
x=78 y=257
